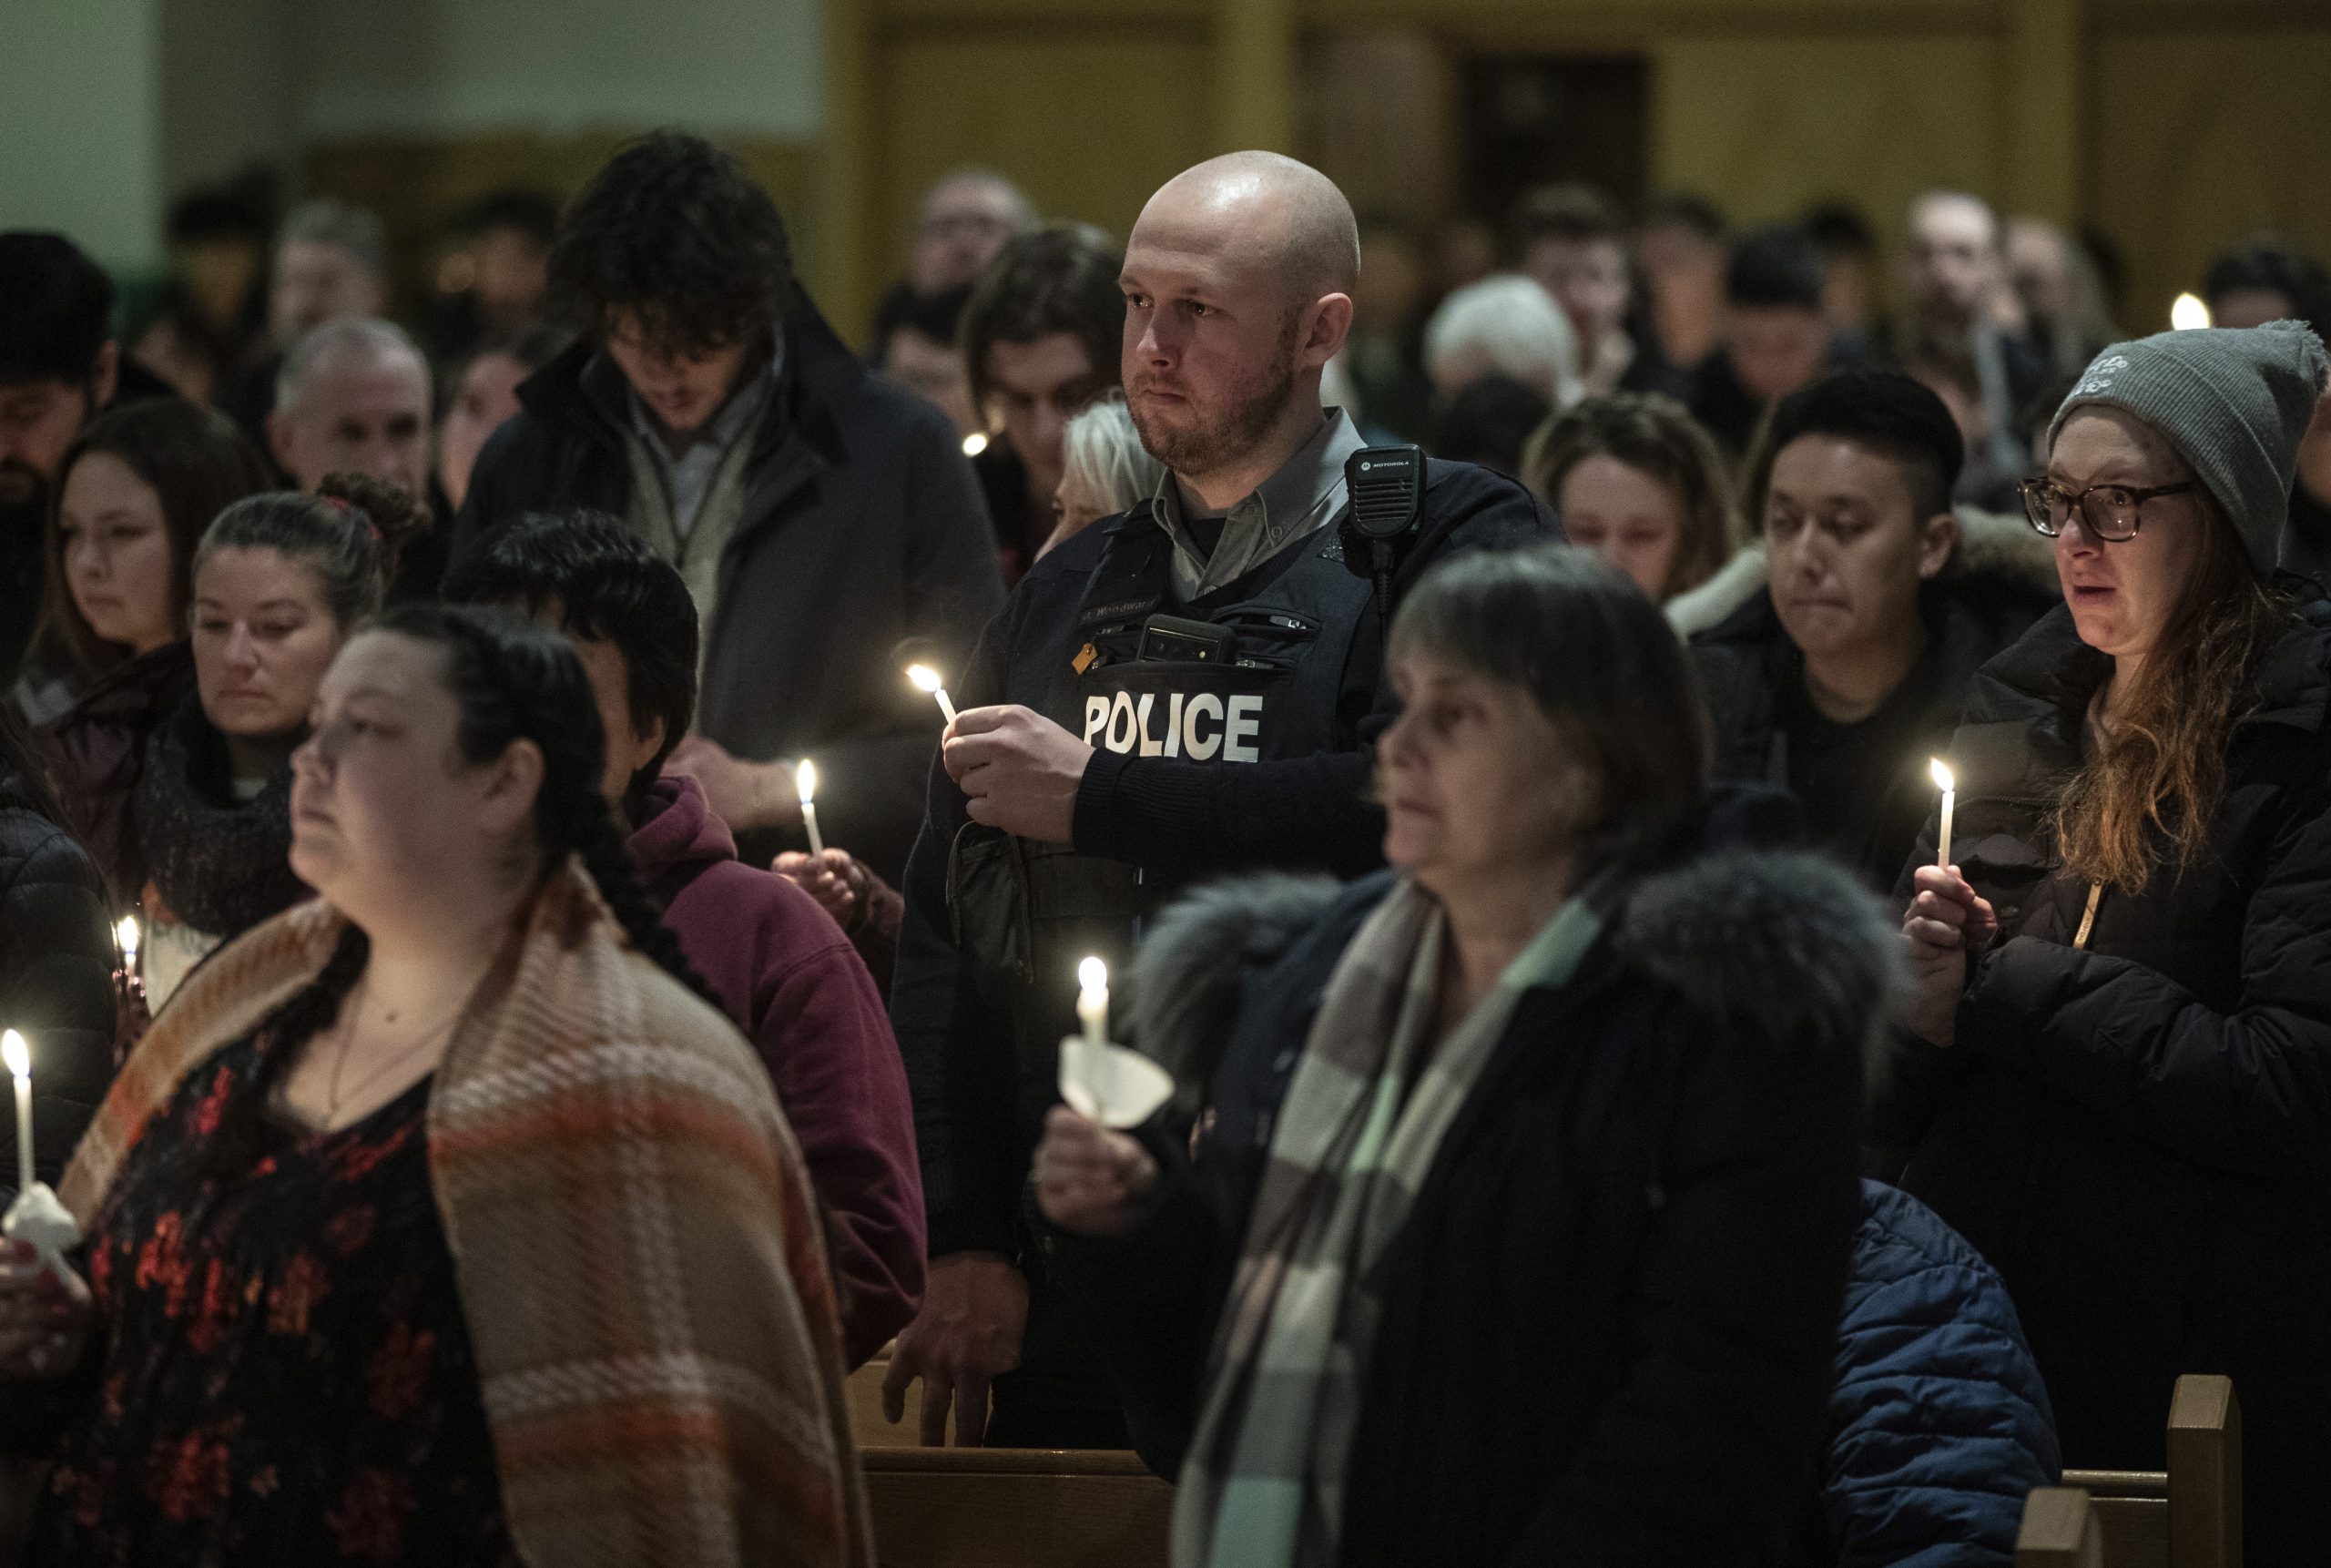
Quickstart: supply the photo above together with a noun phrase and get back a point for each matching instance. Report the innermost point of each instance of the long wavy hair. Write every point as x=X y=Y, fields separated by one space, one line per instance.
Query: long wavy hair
x=2148 y=793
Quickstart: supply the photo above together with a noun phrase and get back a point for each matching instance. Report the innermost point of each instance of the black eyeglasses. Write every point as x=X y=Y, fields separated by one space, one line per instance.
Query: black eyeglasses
x=2109 y=512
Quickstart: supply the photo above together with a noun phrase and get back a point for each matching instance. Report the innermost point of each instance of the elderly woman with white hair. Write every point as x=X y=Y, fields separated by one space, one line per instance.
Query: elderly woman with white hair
x=1104 y=470
x=1505 y=325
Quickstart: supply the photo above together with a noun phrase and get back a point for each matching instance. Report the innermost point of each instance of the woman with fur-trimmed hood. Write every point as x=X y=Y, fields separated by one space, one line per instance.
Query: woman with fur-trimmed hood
x=1517 y=1220
x=1835 y=653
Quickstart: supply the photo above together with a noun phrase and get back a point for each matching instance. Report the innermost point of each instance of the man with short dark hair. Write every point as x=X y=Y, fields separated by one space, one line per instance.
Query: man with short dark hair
x=1774 y=337
x=819 y=516
x=1680 y=246
x=785 y=975
x=1959 y=296
x=1843 y=676
x=59 y=367
x=1573 y=240
x=915 y=345
x=1040 y=346
x=1188 y=689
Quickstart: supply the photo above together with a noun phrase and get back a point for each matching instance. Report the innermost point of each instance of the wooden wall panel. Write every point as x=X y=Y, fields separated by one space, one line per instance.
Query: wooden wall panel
x=1765 y=125
x=1088 y=119
x=2201 y=138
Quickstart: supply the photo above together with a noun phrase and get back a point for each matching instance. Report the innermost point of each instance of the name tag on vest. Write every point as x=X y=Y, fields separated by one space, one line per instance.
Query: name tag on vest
x=1202 y=725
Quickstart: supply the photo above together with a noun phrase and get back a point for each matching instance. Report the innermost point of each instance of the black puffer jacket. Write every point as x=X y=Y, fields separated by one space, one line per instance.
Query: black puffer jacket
x=56 y=960
x=1751 y=673
x=1609 y=1320
x=2138 y=1135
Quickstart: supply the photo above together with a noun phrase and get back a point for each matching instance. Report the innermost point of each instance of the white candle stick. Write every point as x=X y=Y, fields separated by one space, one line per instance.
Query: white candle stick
x=1949 y=786
x=926 y=678
x=125 y=936
x=805 y=780
x=1092 y=999
x=20 y=1065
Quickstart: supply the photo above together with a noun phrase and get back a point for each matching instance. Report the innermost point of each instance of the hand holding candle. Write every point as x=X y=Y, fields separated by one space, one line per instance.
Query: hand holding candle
x=926 y=678
x=1949 y=786
x=805 y=780
x=1104 y=1083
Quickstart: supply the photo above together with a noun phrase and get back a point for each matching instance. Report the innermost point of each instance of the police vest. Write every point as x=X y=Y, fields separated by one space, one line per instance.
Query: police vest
x=1024 y=912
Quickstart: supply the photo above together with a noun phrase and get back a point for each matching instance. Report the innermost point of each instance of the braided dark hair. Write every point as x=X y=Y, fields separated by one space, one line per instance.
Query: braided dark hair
x=514 y=681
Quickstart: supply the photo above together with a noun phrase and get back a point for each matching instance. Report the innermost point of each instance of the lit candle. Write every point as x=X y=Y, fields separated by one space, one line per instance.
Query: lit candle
x=2188 y=312
x=125 y=935
x=1944 y=782
x=805 y=778
x=926 y=678
x=1092 y=999
x=20 y=1065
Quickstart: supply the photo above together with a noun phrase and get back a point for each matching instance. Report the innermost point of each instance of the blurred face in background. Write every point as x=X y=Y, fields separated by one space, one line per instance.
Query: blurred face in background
x=964 y=223
x=315 y=282
x=1846 y=547
x=933 y=372
x=1632 y=519
x=1775 y=349
x=1035 y=389
x=115 y=546
x=1954 y=258
x=2251 y=308
x=487 y=395
x=1588 y=278
x=513 y=271
x=38 y=419
x=360 y=412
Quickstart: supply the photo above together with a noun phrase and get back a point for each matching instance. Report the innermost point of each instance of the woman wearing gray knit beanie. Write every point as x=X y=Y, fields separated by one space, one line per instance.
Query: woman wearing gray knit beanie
x=2122 y=1088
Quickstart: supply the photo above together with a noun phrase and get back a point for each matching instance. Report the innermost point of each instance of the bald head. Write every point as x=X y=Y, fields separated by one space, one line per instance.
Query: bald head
x=1263 y=210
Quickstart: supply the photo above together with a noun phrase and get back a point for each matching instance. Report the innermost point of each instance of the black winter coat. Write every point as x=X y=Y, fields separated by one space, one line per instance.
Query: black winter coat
x=1609 y=1320
x=862 y=528
x=1751 y=673
x=2138 y=1135
x=56 y=963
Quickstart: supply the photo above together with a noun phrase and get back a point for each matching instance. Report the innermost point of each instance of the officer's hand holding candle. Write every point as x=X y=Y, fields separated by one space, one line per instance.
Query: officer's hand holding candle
x=1019 y=770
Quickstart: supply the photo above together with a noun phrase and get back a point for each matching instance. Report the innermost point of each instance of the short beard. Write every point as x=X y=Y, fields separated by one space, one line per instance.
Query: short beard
x=1221 y=438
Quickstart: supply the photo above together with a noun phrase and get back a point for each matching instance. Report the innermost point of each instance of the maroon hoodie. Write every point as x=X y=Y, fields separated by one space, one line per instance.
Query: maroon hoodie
x=793 y=984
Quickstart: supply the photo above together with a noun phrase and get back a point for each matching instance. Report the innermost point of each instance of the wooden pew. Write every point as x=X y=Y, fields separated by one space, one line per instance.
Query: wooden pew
x=1015 y=1508
x=2188 y=1516
x=2060 y=1531
x=1001 y=1508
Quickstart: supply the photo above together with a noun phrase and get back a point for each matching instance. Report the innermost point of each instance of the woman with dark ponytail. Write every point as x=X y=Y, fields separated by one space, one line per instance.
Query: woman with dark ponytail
x=422 y=1202
x=279 y=581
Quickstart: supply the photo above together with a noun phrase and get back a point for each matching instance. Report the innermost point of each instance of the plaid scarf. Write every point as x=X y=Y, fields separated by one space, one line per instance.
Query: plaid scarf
x=634 y=1236
x=1262 y=1485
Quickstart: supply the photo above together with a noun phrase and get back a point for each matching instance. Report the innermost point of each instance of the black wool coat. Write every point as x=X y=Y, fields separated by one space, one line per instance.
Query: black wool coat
x=56 y=960
x=1609 y=1320
x=863 y=529
x=2138 y=1133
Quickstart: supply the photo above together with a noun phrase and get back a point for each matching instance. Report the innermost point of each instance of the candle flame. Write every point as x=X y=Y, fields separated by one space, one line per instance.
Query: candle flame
x=805 y=780
x=1092 y=975
x=974 y=443
x=125 y=935
x=925 y=678
x=12 y=1051
x=2188 y=312
x=1942 y=779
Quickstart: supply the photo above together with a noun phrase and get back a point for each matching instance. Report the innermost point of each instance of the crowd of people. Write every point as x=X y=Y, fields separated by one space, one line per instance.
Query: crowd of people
x=525 y=997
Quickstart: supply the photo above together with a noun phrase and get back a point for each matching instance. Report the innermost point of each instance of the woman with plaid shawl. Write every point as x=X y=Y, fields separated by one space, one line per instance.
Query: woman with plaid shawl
x=441 y=1220
x=1518 y=1227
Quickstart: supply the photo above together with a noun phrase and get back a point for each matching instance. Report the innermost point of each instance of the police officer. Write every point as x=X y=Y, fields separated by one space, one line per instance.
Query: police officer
x=1189 y=689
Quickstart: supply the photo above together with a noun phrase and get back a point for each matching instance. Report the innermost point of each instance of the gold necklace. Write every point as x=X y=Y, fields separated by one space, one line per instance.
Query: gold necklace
x=334 y=1097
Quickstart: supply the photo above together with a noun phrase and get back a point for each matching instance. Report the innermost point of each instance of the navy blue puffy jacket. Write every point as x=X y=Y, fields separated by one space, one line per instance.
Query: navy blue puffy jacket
x=1939 y=1423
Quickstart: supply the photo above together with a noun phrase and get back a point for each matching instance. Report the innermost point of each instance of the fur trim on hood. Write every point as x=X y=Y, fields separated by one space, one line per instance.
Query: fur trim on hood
x=1990 y=543
x=1790 y=943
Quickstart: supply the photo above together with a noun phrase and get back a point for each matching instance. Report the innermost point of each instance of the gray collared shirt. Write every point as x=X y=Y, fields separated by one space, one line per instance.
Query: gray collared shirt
x=687 y=477
x=1307 y=491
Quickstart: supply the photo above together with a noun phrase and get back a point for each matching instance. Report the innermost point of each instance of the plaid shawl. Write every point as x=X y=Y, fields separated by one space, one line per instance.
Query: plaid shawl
x=639 y=1253
x=1262 y=1485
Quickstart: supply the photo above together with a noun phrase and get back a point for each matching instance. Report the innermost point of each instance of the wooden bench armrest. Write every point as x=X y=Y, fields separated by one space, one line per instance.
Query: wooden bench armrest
x=2058 y=1531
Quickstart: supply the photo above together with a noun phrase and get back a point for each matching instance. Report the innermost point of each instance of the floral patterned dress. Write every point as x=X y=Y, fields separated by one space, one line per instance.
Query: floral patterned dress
x=281 y=1372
